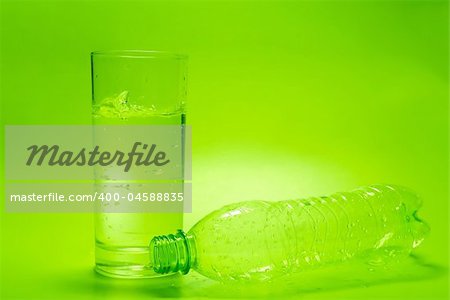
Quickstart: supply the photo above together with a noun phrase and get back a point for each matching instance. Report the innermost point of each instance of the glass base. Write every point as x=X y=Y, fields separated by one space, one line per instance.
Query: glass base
x=127 y=272
x=124 y=262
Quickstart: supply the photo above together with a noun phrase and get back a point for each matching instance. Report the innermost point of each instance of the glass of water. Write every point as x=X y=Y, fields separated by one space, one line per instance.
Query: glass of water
x=135 y=88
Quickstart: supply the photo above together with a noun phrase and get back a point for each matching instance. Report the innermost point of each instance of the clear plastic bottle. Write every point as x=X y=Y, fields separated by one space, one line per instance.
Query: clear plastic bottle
x=259 y=240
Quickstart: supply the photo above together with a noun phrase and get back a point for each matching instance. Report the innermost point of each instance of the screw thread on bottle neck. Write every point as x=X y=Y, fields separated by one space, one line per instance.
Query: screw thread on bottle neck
x=172 y=253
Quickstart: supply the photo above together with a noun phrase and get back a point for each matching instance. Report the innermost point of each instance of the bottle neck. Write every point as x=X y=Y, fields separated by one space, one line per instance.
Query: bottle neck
x=172 y=253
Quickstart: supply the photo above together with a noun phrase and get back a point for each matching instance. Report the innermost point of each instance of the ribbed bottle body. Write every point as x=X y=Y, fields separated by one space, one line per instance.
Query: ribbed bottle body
x=259 y=240
x=318 y=230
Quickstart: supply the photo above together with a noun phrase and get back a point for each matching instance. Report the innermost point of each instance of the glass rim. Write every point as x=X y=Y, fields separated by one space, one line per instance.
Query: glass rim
x=138 y=54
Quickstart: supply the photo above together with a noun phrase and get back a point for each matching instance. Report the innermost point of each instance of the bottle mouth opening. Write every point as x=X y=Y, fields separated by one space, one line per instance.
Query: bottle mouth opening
x=157 y=256
x=170 y=253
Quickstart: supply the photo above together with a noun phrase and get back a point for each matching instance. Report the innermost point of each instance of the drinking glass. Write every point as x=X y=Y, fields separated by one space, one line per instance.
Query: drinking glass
x=135 y=88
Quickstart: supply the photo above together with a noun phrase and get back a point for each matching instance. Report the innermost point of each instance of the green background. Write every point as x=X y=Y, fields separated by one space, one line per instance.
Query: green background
x=286 y=99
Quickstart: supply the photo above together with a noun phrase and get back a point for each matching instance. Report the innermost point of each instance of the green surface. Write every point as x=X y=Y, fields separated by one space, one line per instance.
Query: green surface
x=286 y=99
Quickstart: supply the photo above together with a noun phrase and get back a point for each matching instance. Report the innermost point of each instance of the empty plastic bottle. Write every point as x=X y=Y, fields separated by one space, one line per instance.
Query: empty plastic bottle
x=259 y=240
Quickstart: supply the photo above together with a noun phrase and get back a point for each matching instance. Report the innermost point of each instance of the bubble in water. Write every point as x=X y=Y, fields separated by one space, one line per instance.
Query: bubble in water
x=157 y=171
